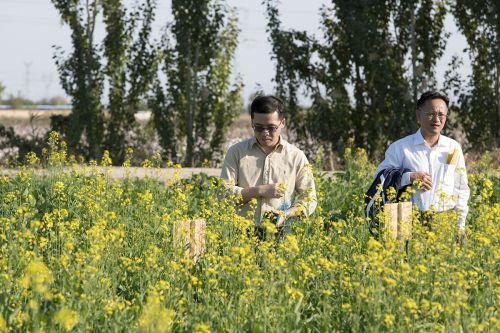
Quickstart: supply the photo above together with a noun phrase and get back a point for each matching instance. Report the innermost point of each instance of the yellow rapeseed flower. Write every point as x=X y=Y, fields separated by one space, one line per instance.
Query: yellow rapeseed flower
x=3 y=325
x=389 y=319
x=39 y=277
x=155 y=318
x=201 y=328
x=67 y=318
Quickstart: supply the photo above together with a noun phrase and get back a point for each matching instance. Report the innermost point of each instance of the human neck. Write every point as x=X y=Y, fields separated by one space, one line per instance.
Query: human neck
x=431 y=139
x=267 y=149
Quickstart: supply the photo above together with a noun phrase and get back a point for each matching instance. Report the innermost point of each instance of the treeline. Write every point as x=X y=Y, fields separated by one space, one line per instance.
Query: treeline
x=185 y=76
x=373 y=60
x=362 y=74
x=18 y=101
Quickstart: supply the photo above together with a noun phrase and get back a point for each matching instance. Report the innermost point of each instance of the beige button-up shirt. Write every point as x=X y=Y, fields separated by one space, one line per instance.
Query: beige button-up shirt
x=246 y=165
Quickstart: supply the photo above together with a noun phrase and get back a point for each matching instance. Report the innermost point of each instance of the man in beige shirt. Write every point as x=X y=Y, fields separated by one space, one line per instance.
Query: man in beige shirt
x=269 y=169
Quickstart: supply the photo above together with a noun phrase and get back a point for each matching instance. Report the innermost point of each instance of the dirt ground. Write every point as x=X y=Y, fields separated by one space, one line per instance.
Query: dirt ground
x=29 y=122
x=133 y=172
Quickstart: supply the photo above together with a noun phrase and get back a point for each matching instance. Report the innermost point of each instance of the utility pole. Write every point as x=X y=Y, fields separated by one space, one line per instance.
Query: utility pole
x=27 y=78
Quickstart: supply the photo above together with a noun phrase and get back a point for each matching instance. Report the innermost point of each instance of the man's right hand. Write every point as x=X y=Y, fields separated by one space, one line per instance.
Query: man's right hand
x=424 y=178
x=271 y=191
x=264 y=191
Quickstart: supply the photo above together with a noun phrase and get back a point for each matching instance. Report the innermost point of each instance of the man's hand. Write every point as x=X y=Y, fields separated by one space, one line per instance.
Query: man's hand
x=281 y=219
x=271 y=191
x=460 y=236
x=264 y=191
x=292 y=212
x=424 y=178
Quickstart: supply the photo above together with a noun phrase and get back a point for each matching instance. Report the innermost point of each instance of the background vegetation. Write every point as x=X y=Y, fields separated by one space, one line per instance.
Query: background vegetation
x=362 y=75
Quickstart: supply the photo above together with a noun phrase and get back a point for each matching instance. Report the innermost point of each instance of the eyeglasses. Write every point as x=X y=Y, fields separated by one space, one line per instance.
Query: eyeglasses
x=440 y=116
x=269 y=129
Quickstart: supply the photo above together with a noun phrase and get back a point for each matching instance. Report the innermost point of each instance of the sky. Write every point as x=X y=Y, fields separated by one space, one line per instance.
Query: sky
x=30 y=28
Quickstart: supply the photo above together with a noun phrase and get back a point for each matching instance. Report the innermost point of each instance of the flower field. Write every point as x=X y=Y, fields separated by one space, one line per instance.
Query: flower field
x=84 y=252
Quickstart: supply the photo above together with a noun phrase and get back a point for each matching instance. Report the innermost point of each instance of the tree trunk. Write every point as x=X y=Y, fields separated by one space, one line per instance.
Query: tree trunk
x=193 y=92
x=413 y=55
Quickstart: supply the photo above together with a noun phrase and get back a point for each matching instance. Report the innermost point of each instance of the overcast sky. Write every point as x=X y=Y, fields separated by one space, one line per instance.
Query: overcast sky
x=29 y=29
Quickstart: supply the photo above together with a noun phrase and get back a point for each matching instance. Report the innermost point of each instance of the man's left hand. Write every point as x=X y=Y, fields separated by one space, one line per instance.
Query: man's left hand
x=281 y=219
x=460 y=237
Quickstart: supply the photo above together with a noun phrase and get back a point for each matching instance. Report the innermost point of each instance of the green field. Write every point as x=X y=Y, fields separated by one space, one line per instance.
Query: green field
x=84 y=252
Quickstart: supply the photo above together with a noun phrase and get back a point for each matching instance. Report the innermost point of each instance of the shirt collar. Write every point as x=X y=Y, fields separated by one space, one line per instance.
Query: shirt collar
x=418 y=139
x=279 y=147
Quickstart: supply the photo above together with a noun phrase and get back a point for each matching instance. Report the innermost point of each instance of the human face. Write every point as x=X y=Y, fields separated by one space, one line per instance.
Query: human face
x=432 y=117
x=267 y=128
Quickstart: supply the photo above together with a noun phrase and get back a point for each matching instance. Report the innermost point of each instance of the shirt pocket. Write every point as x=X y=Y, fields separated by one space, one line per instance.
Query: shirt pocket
x=279 y=173
x=449 y=177
x=250 y=172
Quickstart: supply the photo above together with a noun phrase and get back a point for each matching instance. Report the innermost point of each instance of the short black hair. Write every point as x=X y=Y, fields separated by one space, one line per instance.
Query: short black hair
x=428 y=95
x=267 y=104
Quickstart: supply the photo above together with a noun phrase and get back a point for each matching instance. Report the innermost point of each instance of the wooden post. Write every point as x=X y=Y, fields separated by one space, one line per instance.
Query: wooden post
x=189 y=236
x=197 y=238
x=397 y=219
x=404 y=220
x=391 y=219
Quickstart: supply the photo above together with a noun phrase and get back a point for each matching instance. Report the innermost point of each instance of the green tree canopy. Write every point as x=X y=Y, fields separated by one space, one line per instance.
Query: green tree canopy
x=197 y=102
x=125 y=61
x=357 y=73
x=479 y=100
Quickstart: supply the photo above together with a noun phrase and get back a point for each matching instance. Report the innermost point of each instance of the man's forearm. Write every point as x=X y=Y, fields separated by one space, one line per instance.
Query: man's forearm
x=249 y=193
x=294 y=211
x=290 y=213
x=264 y=191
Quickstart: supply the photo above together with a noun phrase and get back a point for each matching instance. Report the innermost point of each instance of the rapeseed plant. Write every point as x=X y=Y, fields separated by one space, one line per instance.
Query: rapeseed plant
x=66 y=318
x=80 y=251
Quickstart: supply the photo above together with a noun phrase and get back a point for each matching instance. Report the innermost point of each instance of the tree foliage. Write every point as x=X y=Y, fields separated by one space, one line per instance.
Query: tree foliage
x=197 y=102
x=2 y=89
x=357 y=74
x=126 y=61
x=81 y=76
x=132 y=61
x=479 y=100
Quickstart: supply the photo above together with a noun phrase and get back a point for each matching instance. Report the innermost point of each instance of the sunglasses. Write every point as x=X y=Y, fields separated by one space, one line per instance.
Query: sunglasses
x=261 y=129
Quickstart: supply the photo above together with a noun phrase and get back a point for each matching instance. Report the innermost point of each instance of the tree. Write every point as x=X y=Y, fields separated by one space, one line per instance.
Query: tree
x=479 y=101
x=364 y=49
x=2 y=89
x=81 y=76
x=292 y=51
x=419 y=31
x=197 y=103
x=126 y=61
x=132 y=61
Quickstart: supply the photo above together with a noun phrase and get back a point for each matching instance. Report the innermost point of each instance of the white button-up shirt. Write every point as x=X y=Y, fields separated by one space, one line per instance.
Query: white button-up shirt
x=449 y=181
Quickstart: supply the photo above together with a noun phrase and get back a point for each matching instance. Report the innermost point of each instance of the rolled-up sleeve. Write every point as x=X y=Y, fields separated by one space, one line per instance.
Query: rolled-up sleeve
x=229 y=171
x=305 y=188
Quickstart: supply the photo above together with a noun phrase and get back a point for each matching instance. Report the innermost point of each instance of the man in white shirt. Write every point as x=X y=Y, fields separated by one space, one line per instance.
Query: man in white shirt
x=436 y=162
